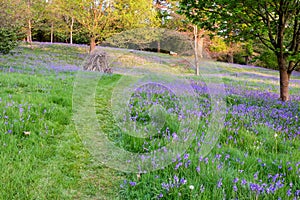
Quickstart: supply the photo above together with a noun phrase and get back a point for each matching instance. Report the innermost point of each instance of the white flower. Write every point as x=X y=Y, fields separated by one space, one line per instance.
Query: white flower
x=26 y=132
x=191 y=187
x=275 y=135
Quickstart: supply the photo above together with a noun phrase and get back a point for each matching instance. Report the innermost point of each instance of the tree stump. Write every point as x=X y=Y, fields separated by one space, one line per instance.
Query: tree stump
x=98 y=61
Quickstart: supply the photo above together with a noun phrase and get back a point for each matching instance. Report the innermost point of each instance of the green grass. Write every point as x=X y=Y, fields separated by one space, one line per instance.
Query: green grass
x=43 y=156
x=51 y=162
x=244 y=150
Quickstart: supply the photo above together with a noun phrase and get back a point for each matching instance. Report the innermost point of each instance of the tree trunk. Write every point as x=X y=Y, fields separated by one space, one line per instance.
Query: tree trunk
x=230 y=53
x=200 y=47
x=92 y=43
x=158 y=46
x=284 y=79
x=29 y=37
x=196 y=49
x=246 y=60
x=71 y=30
x=51 y=33
x=230 y=57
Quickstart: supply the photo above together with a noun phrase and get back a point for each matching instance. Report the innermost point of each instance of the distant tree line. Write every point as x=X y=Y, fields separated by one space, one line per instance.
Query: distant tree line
x=264 y=33
x=275 y=24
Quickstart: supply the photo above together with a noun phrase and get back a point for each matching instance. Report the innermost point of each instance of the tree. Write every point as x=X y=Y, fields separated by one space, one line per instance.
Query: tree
x=8 y=40
x=56 y=23
x=10 y=22
x=95 y=16
x=134 y=14
x=274 y=22
x=51 y=15
x=103 y=18
x=32 y=12
x=170 y=19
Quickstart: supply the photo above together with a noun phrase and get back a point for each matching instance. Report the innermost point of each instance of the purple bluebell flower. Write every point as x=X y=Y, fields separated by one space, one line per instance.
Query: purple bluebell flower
x=235 y=188
x=21 y=110
x=289 y=192
x=220 y=183
x=178 y=165
x=186 y=156
x=235 y=180
x=255 y=175
x=132 y=183
x=183 y=181
x=187 y=163
x=244 y=182
x=165 y=186
x=176 y=179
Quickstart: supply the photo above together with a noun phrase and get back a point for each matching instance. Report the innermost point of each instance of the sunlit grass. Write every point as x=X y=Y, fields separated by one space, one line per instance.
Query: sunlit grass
x=42 y=156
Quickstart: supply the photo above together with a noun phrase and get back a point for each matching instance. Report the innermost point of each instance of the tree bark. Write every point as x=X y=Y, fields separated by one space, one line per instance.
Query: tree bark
x=71 y=30
x=200 y=47
x=284 y=79
x=196 y=49
x=158 y=46
x=229 y=57
x=92 y=43
x=52 y=31
x=246 y=60
x=29 y=37
x=230 y=53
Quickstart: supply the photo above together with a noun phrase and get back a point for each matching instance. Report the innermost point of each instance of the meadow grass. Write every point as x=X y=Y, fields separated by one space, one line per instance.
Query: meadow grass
x=246 y=164
x=43 y=157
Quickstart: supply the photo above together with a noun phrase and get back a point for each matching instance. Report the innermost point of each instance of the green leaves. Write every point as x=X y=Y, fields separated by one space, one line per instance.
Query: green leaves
x=136 y=14
x=274 y=23
x=233 y=18
x=8 y=40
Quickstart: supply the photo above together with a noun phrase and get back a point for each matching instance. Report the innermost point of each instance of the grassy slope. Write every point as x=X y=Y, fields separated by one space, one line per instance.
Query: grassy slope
x=52 y=163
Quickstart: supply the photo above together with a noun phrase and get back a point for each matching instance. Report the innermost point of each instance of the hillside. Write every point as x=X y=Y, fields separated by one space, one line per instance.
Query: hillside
x=62 y=129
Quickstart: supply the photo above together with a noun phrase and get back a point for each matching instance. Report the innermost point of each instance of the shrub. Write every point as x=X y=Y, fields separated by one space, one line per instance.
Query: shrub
x=8 y=40
x=218 y=45
x=267 y=59
x=239 y=58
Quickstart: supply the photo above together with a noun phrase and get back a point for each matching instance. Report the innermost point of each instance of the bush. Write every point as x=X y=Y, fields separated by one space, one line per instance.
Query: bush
x=218 y=45
x=8 y=40
x=239 y=58
x=268 y=60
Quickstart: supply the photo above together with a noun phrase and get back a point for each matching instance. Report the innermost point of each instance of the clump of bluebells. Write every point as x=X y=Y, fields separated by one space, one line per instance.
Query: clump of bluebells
x=43 y=60
x=19 y=118
x=256 y=156
x=154 y=105
x=24 y=118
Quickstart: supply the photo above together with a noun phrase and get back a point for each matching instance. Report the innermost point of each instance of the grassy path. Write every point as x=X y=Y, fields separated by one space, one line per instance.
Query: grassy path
x=50 y=160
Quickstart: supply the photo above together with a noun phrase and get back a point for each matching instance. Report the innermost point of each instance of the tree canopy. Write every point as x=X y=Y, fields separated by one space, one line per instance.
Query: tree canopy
x=10 y=24
x=274 y=22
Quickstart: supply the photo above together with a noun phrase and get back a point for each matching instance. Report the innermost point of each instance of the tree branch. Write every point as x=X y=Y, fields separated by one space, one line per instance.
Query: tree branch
x=265 y=42
x=266 y=19
x=296 y=29
x=290 y=70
